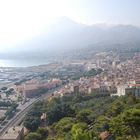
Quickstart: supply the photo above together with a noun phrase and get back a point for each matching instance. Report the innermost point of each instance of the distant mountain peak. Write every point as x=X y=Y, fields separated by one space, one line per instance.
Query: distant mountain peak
x=67 y=22
x=66 y=33
x=65 y=19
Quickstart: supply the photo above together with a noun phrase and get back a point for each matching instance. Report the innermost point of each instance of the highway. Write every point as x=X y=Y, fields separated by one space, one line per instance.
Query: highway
x=18 y=118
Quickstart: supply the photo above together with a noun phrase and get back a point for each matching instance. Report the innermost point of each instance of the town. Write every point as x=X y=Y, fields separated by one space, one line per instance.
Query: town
x=106 y=73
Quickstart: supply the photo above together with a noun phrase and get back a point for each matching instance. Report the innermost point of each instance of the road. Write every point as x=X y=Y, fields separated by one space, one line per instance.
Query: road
x=18 y=118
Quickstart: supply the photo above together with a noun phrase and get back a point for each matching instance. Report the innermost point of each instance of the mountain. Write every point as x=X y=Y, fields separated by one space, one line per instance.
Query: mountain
x=66 y=34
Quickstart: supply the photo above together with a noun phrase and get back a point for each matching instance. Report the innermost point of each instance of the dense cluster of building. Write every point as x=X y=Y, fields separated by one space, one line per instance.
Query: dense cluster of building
x=118 y=77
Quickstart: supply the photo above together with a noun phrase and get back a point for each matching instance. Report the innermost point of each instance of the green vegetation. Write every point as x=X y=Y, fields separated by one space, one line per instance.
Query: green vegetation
x=41 y=134
x=92 y=72
x=42 y=91
x=21 y=81
x=82 y=117
x=11 y=111
x=4 y=88
x=32 y=121
x=5 y=103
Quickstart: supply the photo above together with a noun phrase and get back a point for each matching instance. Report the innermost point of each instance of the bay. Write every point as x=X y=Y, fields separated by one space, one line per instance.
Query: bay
x=22 y=62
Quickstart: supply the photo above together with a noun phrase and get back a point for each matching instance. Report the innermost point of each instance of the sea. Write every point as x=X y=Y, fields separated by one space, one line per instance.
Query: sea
x=22 y=62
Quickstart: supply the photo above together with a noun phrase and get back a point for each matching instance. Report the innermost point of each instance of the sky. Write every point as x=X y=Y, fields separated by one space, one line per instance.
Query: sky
x=21 y=20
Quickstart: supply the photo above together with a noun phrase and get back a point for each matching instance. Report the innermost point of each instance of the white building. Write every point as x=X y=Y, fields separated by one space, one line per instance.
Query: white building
x=121 y=90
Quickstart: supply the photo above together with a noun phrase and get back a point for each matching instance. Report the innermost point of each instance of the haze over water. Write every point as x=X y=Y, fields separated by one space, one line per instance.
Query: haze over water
x=22 y=63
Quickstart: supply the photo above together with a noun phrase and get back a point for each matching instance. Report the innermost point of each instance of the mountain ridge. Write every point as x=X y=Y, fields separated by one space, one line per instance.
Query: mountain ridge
x=67 y=34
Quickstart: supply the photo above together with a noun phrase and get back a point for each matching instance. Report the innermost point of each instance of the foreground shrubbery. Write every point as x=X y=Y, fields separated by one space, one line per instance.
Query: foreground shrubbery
x=82 y=118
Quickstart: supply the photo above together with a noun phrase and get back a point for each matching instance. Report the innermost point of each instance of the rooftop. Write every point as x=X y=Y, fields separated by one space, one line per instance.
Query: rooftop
x=12 y=133
x=134 y=85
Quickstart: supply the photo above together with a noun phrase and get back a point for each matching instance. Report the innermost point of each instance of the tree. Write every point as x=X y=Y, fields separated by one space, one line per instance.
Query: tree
x=131 y=118
x=4 y=88
x=14 y=106
x=85 y=115
x=62 y=129
x=79 y=132
x=116 y=108
x=11 y=111
x=33 y=136
x=118 y=128
x=42 y=90
x=32 y=123
x=98 y=125
x=58 y=111
x=64 y=125
x=32 y=120
x=43 y=132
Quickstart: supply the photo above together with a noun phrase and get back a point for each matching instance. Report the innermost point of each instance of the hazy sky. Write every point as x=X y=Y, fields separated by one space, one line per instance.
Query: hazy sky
x=21 y=20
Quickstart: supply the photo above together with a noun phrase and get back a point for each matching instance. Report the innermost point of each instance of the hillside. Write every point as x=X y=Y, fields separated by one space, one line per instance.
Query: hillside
x=85 y=118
